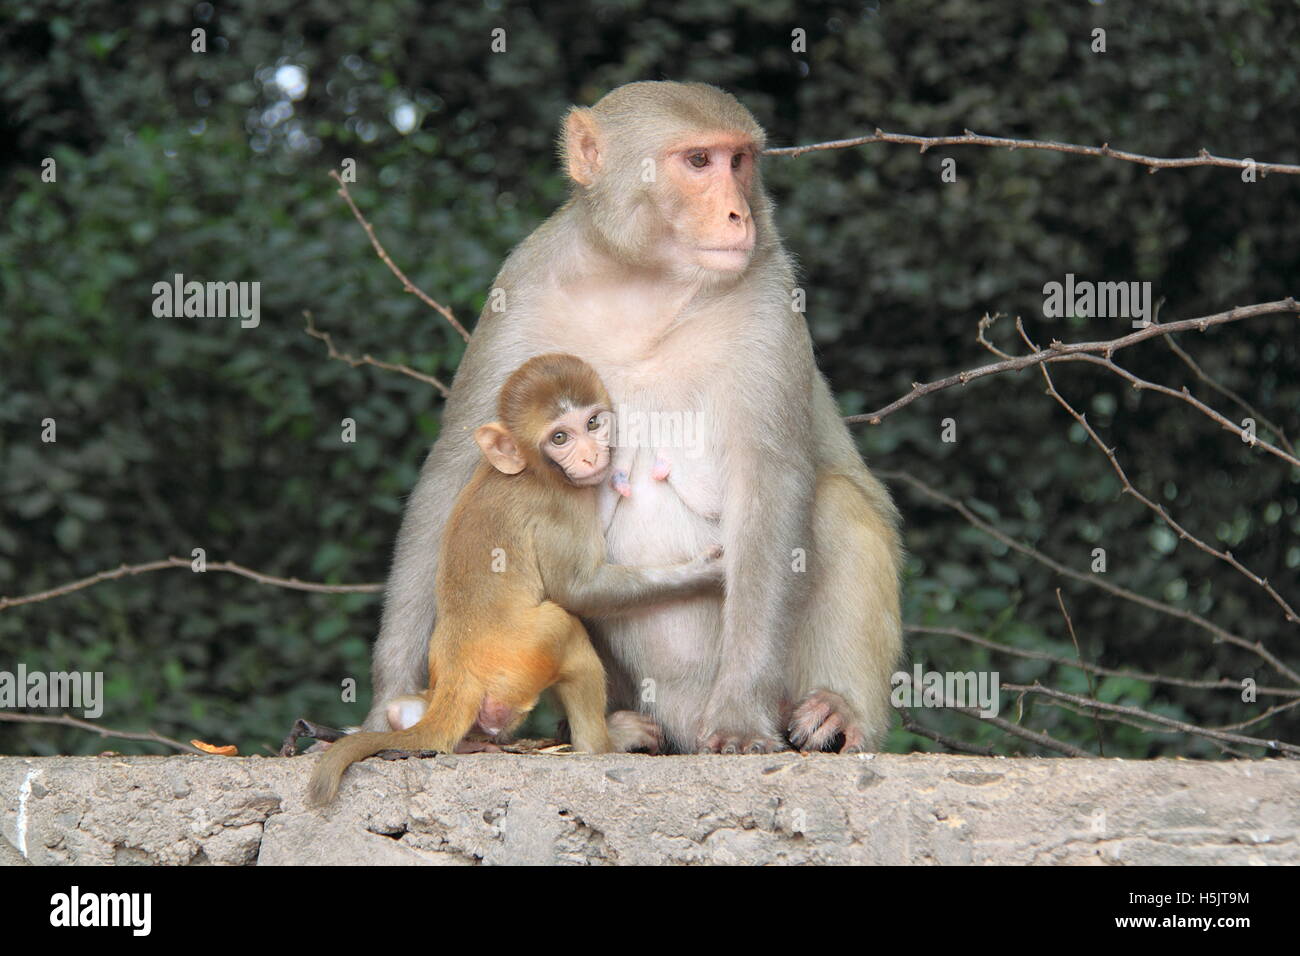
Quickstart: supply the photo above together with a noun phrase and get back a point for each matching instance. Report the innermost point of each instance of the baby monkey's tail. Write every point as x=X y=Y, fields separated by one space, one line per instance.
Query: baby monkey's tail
x=452 y=711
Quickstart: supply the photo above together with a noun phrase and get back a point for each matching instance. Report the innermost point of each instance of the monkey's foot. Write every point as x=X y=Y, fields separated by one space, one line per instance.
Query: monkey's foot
x=632 y=730
x=405 y=711
x=620 y=483
x=723 y=742
x=824 y=721
x=662 y=469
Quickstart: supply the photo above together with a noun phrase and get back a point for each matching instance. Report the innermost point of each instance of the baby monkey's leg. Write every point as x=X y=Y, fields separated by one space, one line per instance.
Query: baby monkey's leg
x=581 y=687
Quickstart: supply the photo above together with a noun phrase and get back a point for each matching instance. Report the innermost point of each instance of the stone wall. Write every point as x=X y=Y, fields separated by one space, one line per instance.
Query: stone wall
x=543 y=809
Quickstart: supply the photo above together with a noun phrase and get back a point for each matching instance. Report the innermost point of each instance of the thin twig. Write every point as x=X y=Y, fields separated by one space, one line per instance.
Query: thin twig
x=1159 y=510
x=1059 y=351
x=1222 y=683
x=1033 y=736
x=174 y=562
x=983 y=326
x=1275 y=709
x=1290 y=749
x=302 y=727
x=367 y=360
x=1127 y=486
x=407 y=284
x=67 y=721
x=1183 y=395
x=1229 y=394
x=911 y=724
x=1136 y=724
x=967 y=138
x=1092 y=687
x=1219 y=633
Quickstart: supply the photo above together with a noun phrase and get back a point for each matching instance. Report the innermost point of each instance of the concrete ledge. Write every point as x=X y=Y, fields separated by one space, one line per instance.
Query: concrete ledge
x=498 y=808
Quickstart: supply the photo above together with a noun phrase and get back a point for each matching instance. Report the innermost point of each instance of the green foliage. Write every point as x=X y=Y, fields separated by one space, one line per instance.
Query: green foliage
x=182 y=433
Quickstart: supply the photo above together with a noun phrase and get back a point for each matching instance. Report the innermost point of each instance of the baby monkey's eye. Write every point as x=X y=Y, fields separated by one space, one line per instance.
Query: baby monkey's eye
x=698 y=160
x=559 y=438
x=593 y=423
x=736 y=160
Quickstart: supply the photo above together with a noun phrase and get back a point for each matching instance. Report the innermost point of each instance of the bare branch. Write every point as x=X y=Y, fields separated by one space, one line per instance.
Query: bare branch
x=1268 y=714
x=1179 y=725
x=1095 y=580
x=367 y=360
x=407 y=284
x=985 y=324
x=67 y=721
x=967 y=138
x=1033 y=736
x=174 y=562
x=1137 y=725
x=1222 y=683
x=1184 y=395
x=1158 y=509
x=1092 y=687
x=1229 y=394
x=910 y=723
x=1059 y=352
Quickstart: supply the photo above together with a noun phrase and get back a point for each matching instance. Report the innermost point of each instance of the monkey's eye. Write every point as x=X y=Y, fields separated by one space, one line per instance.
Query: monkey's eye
x=559 y=438
x=593 y=423
x=698 y=160
x=736 y=160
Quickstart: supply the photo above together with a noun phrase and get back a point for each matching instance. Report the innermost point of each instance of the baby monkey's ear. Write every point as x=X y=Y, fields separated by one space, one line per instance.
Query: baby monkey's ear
x=499 y=448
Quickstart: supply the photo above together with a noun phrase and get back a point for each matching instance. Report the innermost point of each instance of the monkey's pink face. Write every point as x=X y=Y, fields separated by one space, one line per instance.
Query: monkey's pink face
x=578 y=441
x=712 y=225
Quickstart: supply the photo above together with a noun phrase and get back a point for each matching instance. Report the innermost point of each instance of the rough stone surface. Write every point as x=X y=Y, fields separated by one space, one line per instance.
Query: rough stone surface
x=619 y=809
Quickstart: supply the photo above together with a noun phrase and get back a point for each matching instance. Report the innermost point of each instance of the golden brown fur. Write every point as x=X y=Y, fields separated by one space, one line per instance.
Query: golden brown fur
x=514 y=546
x=617 y=276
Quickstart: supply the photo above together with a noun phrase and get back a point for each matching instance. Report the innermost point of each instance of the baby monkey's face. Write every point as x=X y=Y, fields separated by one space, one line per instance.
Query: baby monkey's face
x=578 y=441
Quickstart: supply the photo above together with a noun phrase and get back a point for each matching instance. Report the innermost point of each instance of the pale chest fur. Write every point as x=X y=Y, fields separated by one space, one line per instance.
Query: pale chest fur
x=665 y=373
x=638 y=335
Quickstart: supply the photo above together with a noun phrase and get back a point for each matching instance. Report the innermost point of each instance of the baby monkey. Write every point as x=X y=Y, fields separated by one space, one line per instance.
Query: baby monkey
x=523 y=553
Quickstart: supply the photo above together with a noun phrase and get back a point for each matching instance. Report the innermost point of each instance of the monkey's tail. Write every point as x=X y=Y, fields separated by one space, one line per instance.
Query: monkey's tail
x=452 y=711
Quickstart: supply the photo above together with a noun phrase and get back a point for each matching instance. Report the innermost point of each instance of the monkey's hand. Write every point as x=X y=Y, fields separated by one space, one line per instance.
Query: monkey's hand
x=632 y=730
x=620 y=483
x=662 y=469
x=709 y=565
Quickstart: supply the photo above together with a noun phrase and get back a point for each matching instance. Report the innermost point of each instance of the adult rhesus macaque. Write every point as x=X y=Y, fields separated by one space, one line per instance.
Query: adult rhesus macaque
x=523 y=548
x=665 y=272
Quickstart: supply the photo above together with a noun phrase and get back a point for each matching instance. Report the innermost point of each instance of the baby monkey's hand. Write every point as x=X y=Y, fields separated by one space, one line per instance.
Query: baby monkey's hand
x=710 y=564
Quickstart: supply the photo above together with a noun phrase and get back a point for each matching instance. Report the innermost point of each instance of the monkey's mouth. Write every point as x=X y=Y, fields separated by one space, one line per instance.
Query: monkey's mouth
x=599 y=472
x=726 y=258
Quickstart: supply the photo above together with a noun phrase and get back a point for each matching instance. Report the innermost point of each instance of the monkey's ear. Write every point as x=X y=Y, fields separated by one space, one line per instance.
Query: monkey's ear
x=499 y=448
x=583 y=146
